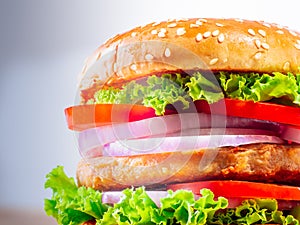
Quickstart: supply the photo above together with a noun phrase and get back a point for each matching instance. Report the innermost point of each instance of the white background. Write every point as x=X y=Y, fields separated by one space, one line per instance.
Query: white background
x=42 y=49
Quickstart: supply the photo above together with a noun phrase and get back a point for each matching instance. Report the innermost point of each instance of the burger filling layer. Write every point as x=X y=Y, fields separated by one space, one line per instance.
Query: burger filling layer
x=180 y=89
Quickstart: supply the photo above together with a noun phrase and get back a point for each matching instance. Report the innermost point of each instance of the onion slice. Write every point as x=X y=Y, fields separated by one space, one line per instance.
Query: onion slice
x=183 y=143
x=291 y=133
x=221 y=131
x=162 y=126
x=112 y=197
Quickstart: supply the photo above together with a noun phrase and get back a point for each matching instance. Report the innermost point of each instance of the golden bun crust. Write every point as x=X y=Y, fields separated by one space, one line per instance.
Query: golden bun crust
x=258 y=162
x=188 y=44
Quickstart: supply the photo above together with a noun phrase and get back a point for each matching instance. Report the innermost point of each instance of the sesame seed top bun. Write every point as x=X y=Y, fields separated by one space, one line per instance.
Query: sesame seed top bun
x=189 y=44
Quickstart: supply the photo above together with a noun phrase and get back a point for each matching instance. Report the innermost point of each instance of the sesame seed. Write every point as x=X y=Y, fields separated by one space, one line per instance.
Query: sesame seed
x=262 y=33
x=133 y=34
x=199 y=37
x=215 y=33
x=203 y=20
x=198 y=22
x=149 y=56
x=219 y=25
x=182 y=19
x=251 y=31
x=133 y=67
x=257 y=43
x=163 y=30
x=286 y=66
x=172 y=25
x=206 y=34
x=180 y=31
x=265 y=46
x=154 y=24
x=297 y=46
x=298 y=42
x=267 y=25
x=292 y=33
x=279 y=31
x=161 y=34
x=213 y=61
x=258 y=55
x=171 y=20
x=193 y=25
x=154 y=32
x=221 y=38
x=167 y=52
x=239 y=20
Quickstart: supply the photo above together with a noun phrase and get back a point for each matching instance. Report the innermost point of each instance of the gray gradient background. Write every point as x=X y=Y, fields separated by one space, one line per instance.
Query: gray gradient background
x=42 y=48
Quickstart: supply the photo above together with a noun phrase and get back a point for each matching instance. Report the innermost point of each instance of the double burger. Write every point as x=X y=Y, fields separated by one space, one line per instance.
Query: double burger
x=189 y=121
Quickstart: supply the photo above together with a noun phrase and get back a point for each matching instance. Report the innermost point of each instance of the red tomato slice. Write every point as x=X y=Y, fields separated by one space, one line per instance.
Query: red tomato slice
x=242 y=189
x=254 y=110
x=82 y=117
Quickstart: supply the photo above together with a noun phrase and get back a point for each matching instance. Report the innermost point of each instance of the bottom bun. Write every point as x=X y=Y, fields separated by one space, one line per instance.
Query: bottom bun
x=269 y=163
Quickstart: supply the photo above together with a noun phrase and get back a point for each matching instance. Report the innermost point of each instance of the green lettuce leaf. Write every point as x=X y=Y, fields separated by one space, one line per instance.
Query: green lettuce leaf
x=69 y=204
x=180 y=90
x=72 y=205
x=180 y=207
x=259 y=88
x=297 y=100
x=108 y=96
x=156 y=92
x=255 y=211
x=136 y=207
x=296 y=212
x=201 y=88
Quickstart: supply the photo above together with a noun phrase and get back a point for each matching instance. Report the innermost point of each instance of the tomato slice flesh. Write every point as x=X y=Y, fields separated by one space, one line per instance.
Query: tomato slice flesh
x=253 y=110
x=87 y=116
x=242 y=189
x=83 y=117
